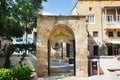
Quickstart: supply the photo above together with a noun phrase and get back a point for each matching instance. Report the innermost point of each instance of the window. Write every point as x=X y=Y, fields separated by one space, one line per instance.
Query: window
x=109 y=18
x=118 y=34
x=91 y=19
x=95 y=33
x=110 y=34
x=90 y=8
x=118 y=18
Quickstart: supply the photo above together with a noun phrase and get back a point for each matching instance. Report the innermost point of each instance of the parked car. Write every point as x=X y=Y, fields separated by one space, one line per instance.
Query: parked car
x=22 y=40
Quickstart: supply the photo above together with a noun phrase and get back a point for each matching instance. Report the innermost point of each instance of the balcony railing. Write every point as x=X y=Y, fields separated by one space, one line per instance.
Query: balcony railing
x=112 y=16
x=112 y=25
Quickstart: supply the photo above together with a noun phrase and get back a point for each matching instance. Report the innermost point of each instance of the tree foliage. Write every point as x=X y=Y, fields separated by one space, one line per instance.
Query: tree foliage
x=103 y=50
x=27 y=10
x=9 y=26
x=17 y=16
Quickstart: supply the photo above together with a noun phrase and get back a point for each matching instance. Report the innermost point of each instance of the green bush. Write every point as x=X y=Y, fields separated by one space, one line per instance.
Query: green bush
x=6 y=74
x=21 y=72
x=16 y=73
x=103 y=50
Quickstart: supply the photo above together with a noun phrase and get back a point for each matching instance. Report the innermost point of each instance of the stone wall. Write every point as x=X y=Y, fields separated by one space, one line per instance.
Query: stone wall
x=74 y=27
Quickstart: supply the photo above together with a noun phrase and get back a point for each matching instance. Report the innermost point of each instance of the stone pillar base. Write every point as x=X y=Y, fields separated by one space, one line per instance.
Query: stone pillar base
x=41 y=68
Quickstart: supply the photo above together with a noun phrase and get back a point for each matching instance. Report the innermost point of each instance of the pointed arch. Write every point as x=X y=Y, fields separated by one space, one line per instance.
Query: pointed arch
x=61 y=33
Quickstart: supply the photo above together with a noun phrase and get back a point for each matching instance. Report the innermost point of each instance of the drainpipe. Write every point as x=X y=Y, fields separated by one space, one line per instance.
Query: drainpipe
x=116 y=17
x=101 y=25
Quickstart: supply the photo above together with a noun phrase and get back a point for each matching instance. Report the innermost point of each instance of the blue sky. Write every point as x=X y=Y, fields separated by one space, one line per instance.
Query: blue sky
x=56 y=7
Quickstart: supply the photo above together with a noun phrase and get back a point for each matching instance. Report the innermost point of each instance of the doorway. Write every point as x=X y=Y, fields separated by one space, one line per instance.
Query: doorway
x=95 y=50
x=61 y=52
x=61 y=59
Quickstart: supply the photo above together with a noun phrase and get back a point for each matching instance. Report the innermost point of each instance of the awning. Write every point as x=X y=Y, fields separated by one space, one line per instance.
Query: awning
x=114 y=42
x=111 y=28
x=111 y=7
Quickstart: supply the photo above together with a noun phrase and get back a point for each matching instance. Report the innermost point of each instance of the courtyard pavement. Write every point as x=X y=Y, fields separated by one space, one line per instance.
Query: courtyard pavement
x=101 y=77
x=96 y=77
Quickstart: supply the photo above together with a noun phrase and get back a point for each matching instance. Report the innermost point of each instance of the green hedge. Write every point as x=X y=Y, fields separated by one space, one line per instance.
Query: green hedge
x=16 y=73
x=6 y=74
x=21 y=72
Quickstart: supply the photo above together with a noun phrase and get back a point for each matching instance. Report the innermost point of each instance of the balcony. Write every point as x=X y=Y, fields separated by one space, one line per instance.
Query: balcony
x=112 y=17
x=114 y=25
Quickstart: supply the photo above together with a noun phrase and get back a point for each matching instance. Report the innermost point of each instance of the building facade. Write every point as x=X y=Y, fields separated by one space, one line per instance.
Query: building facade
x=94 y=26
x=103 y=17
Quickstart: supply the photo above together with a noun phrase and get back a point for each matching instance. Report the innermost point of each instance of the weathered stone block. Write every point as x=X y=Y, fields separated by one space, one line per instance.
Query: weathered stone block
x=42 y=67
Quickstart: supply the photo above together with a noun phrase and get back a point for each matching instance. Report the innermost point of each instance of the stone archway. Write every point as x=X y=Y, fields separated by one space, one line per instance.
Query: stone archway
x=61 y=34
x=69 y=29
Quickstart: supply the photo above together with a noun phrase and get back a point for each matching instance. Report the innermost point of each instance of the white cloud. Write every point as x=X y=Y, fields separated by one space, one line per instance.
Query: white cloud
x=46 y=13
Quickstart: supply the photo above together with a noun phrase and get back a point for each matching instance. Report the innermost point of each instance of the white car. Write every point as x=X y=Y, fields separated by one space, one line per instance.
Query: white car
x=22 y=40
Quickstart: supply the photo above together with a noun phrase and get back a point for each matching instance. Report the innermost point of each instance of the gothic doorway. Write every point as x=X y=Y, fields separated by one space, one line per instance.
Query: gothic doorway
x=61 y=51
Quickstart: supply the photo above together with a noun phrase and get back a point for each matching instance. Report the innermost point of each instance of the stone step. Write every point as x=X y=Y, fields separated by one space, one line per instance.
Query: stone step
x=61 y=70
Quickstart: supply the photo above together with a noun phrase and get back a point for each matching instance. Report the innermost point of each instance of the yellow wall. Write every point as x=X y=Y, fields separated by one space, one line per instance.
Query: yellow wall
x=83 y=8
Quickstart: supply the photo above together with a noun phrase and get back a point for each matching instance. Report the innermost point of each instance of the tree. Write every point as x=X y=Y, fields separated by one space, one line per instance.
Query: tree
x=8 y=50
x=26 y=12
x=4 y=11
x=18 y=15
x=103 y=50
x=9 y=25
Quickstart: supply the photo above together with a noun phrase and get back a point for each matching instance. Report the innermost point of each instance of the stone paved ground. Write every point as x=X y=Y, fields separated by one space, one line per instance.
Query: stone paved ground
x=102 y=77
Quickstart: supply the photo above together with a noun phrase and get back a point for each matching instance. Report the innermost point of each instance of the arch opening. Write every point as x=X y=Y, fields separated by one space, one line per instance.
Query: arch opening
x=61 y=51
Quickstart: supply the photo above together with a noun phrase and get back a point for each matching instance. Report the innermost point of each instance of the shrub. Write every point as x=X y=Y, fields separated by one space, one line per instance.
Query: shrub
x=21 y=72
x=17 y=73
x=103 y=50
x=6 y=74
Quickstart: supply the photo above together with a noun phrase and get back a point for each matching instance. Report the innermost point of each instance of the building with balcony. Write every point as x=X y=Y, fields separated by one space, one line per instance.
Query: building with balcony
x=103 y=17
x=93 y=27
